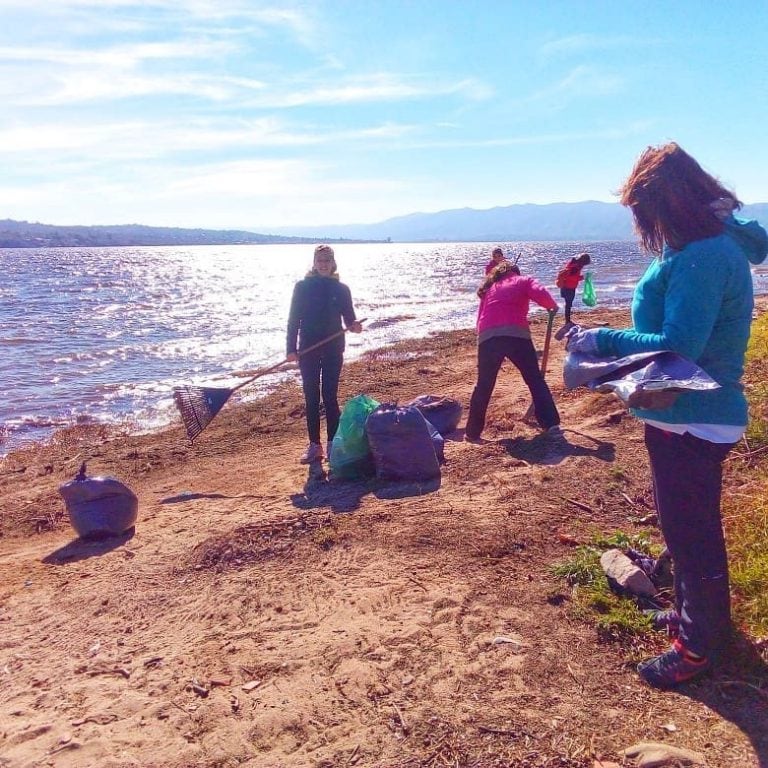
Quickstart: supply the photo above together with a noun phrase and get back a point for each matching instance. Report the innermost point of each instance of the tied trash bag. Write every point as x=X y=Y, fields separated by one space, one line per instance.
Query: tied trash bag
x=401 y=443
x=351 y=457
x=99 y=506
x=649 y=380
x=588 y=294
x=444 y=413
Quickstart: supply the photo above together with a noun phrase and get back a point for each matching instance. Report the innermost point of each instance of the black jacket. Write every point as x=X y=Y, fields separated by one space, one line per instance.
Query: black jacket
x=317 y=306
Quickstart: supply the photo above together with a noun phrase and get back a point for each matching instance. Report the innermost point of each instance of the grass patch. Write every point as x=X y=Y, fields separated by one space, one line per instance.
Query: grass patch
x=745 y=511
x=614 y=617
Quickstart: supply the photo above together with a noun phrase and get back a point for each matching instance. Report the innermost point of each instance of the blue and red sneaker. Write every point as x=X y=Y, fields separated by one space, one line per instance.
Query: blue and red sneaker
x=672 y=668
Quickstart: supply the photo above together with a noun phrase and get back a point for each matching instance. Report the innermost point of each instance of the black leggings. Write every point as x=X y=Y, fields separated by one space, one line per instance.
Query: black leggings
x=490 y=356
x=322 y=365
x=569 y=294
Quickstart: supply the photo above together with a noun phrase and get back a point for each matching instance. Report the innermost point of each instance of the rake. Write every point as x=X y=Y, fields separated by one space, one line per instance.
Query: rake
x=199 y=405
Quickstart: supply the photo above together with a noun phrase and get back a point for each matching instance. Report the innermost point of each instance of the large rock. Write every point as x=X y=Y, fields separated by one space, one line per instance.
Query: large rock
x=628 y=576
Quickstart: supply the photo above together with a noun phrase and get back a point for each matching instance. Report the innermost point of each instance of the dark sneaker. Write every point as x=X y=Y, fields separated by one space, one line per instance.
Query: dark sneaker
x=672 y=668
x=665 y=621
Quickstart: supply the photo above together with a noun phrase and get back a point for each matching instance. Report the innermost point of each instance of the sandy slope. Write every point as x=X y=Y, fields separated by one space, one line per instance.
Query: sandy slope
x=263 y=616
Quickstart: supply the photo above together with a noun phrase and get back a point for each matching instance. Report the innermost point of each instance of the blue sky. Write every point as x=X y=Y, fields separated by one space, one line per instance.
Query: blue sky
x=248 y=114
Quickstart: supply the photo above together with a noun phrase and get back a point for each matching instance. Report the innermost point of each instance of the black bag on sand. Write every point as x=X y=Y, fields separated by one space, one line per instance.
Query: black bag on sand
x=401 y=444
x=444 y=413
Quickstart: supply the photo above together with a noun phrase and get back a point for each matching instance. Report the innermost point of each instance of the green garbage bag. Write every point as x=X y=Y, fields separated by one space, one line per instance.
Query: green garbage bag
x=351 y=457
x=588 y=295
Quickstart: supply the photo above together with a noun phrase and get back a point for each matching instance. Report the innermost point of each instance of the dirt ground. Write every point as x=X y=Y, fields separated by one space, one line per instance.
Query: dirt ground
x=264 y=615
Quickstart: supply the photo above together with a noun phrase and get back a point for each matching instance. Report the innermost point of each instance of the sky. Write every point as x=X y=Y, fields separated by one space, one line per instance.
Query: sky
x=243 y=114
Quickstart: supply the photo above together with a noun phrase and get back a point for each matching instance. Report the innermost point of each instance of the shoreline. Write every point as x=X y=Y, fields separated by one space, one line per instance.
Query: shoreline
x=128 y=428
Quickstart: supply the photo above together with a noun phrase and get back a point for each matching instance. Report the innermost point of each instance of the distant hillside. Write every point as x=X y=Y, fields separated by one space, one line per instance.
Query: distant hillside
x=588 y=221
x=585 y=221
x=24 y=234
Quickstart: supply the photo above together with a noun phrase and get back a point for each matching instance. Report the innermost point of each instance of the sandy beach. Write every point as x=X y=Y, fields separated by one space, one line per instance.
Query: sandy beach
x=261 y=615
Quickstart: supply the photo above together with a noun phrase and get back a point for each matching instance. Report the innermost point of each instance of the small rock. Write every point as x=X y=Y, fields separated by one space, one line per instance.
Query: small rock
x=630 y=577
x=250 y=685
x=503 y=640
x=653 y=755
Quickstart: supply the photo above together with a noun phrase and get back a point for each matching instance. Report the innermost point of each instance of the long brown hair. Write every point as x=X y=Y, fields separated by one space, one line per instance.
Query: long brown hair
x=499 y=272
x=670 y=196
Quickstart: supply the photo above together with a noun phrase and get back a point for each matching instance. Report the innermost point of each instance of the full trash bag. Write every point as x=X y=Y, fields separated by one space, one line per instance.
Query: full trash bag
x=588 y=293
x=444 y=413
x=401 y=443
x=99 y=506
x=351 y=457
x=652 y=380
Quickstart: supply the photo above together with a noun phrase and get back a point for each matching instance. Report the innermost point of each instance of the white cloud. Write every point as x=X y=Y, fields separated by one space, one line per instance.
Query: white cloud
x=117 y=56
x=105 y=143
x=379 y=87
x=584 y=42
x=580 y=83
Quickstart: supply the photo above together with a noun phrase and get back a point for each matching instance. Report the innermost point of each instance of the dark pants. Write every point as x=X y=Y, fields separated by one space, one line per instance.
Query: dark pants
x=687 y=481
x=521 y=353
x=569 y=294
x=321 y=365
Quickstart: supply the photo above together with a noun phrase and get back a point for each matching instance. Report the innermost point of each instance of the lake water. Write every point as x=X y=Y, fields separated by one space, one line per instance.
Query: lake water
x=104 y=334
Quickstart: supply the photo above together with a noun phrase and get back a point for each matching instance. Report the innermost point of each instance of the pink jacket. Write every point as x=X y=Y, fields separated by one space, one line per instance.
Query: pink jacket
x=507 y=303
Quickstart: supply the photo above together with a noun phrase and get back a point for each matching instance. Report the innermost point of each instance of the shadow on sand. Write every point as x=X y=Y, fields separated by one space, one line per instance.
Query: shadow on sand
x=321 y=490
x=83 y=549
x=548 y=449
x=738 y=692
x=188 y=496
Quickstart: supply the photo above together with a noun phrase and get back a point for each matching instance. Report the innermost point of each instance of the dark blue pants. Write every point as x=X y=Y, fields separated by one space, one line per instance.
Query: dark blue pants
x=568 y=294
x=320 y=372
x=687 y=481
x=521 y=353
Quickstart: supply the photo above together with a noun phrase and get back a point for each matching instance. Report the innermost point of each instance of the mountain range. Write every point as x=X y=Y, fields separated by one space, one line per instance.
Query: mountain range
x=584 y=221
x=589 y=220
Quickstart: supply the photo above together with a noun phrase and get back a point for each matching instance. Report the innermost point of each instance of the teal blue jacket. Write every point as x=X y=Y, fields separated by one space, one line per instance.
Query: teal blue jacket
x=698 y=302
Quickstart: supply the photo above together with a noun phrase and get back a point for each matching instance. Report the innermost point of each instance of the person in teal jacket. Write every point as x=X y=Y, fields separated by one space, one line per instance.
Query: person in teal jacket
x=696 y=299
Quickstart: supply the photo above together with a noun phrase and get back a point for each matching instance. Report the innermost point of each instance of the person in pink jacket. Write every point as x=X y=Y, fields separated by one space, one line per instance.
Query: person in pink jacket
x=503 y=332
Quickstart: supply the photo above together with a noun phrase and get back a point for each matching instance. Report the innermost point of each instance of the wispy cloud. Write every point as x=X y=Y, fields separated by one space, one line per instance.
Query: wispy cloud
x=118 y=56
x=636 y=128
x=374 y=88
x=113 y=142
x=582 y=82
x=585 y=42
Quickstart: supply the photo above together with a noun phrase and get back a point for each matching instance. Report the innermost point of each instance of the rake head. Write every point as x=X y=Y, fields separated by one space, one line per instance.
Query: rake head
x=198 y=406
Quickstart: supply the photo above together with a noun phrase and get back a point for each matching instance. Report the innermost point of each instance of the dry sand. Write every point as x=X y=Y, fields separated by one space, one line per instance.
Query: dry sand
x=261 y=615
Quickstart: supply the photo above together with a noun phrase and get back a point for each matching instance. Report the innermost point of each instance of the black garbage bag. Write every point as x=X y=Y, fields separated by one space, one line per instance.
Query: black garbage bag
x=444 y=413
x=99 y=506
x=401 y=444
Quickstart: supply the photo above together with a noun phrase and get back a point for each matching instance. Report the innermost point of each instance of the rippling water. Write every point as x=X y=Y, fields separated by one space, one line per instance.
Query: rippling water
x=103 y=334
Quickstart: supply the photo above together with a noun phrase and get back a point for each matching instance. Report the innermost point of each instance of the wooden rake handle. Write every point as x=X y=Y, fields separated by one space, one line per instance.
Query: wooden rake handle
x=547 y=340
x=311 y=348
